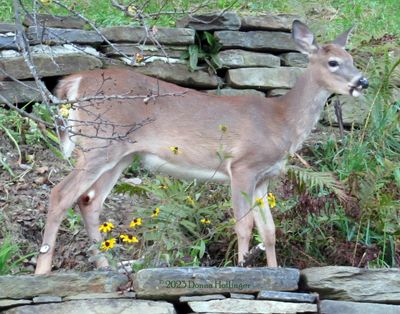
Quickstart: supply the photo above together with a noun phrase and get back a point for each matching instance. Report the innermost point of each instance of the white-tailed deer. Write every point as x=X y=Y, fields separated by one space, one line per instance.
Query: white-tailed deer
x=259 y=133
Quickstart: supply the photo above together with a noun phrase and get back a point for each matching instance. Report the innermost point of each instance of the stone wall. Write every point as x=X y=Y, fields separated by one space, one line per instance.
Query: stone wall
x=328 y=290
x=257 y=56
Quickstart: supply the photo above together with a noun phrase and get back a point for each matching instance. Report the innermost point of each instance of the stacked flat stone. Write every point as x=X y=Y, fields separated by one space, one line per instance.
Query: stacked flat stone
x=327 y=290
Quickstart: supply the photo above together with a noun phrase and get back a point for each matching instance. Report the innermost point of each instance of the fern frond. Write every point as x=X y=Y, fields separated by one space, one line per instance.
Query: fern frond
x=311 y=180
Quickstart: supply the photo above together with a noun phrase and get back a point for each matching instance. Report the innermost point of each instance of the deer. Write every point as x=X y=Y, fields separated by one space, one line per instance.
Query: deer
x=259 y=135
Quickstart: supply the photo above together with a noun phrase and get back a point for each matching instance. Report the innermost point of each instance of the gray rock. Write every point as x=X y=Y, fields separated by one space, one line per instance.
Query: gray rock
x=50 y=35
x=277 y=92
x=343 y=307
x=47 y=299
x=277 y=22
x=263 y=78
x=171 y=282
x=251 y=306
x=242 y=296
x=62 y=284
x=180 y=74
x=237 y=58
x=133 y=49
x=164 y=35
x=354 y=284
x=46 y=65
x=256 y=40
x=354 y=110
x=19 y=93
x=294 y=59
x=11 y=302
x=111 y=295
x=287 y=296
x=7 y=42
x=212 y=22
x=202 y=298
x=48 y=20
x=7 y=28
x=97 y=306
x=235 y=92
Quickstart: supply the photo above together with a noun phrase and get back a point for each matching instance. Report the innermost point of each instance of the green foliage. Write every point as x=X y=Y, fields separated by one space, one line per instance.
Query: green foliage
x=205 y=51
x=316 y=180
x=73 y=220
x=24 y=131
x=10 y=260
x=176 y=236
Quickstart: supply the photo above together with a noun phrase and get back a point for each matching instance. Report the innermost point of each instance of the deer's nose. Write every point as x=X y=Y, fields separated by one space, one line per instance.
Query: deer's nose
x=363 y=82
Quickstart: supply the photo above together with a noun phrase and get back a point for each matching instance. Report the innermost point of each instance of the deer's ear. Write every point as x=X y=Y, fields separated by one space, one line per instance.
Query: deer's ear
x=304 y=39
x=342 y=39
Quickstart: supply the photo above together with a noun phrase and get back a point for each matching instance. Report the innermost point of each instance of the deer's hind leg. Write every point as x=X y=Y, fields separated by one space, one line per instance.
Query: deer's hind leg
x=90 y=167
x=91 y=204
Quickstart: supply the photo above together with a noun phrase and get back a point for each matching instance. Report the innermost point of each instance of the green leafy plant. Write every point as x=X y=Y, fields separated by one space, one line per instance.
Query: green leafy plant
x=204 y=51
x=10 y=260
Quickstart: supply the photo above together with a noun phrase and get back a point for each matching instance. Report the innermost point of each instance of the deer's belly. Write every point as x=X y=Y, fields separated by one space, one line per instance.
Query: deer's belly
x=157 y=164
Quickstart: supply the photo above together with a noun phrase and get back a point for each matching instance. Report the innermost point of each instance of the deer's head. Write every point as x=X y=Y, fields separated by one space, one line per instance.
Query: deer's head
x=331 y=64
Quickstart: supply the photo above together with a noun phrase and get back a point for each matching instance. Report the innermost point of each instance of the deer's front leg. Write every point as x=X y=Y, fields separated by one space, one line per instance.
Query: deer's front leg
x=265 y=224
x=242 y=194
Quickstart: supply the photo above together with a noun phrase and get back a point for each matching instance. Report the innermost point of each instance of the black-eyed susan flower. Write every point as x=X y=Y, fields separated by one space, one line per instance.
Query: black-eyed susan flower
x=106 y=227
x=271 y=200
x=108 y=244
x=205 y=221
x=175 y=150
x=136 y=222
x=190 y=200
x=260 y=202
x=155 y=213
x=128 y=238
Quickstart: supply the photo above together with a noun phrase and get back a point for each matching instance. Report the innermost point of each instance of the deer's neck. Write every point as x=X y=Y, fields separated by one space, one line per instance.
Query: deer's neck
x=304 y=103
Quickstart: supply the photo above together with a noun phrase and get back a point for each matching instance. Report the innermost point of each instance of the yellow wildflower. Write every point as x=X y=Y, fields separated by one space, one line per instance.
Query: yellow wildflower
x=128 y=238
x=139 y=57
x=135 y=222
x=106 y=227
x=205 y=221
x=175 y=150
x=223 y=128
x=155 y=212
x=260 y=202
x=163 y=186
x=190 y=200
x=132 y=9
x=271 y=200
x=46 y=2
x=64 y=110
x=108 y=244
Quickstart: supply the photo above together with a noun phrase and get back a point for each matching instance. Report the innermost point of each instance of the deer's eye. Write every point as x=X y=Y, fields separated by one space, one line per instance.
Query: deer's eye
x=333 y=63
